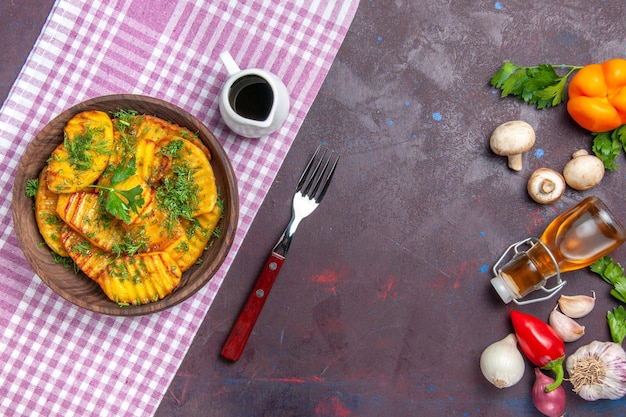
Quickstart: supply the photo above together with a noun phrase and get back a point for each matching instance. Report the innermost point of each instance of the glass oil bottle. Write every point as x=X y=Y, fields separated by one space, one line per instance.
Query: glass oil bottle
x=575 y=239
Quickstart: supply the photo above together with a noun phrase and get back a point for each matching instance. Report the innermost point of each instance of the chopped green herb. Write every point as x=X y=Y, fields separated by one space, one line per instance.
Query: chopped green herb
x=124 y=119
x=178 y=195
x=51 y=219
x=173 y=148
x=183 y=246
x=130 y=244
x=31 y=187
x=124 y=123
x=79 y=145
x=65 y=261
x=81 y=248
x=194 y=226
x=119 y=271
x=119 y=303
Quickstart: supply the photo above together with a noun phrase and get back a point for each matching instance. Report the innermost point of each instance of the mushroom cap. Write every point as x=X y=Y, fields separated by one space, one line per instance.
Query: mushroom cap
x=545 y=186
x=512 y=138
x=583 y=171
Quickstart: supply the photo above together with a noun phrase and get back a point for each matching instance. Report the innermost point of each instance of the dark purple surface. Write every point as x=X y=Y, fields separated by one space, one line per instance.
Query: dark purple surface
x=383 y=305
x=20 y=24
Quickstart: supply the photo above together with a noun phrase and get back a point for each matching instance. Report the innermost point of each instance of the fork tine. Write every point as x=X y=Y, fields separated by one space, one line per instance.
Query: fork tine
x=307 y=169
x=322 y=173
x=316 y=176
x=328 y=178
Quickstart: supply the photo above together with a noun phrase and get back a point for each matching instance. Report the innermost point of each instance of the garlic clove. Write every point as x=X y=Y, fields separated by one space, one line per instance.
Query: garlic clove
x=567 y=328
x=577 y=306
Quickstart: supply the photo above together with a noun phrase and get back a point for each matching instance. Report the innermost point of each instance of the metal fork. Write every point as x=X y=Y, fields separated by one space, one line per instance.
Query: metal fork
x=309 y=193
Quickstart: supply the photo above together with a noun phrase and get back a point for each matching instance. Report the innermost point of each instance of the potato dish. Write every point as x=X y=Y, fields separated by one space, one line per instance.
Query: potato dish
x=131 y=200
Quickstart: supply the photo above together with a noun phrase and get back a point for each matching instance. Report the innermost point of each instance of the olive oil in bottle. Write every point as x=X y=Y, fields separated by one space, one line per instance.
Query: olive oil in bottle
x=575 y=239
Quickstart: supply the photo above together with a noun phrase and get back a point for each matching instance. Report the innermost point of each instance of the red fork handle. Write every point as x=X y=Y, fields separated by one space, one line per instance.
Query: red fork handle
x=251 y=310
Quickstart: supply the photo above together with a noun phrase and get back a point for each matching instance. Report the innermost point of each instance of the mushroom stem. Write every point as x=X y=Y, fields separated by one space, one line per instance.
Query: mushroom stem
x=548 y=186
x=515 y=162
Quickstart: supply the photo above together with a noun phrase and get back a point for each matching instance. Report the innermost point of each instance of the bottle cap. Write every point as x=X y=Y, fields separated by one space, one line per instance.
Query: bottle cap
x=502 y=289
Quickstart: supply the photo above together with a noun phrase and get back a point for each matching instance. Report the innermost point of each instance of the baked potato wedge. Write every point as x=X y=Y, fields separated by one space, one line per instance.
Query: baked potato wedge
x=84 y=153
x=140 y=279
x=154 y=229
x=82 y=212
x=192 y=162
x=189 y=247
x=48 y=221
x=151 y=163
x=90 y=259
x=155 y=129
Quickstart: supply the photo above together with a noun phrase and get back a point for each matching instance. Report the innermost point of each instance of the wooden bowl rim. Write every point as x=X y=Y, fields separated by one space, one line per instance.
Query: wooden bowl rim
x=193 y=279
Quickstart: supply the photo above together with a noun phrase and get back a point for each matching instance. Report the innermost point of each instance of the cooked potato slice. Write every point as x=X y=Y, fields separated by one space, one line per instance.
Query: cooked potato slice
x=189 y=247
x=48 y=221
x=151 y=164
x=89 y=258
x=145 y=154
x=119 y=151
x=191 y=161
x=155 y=129
x=84 y=153
x=140 y=279
x=154 y=228
x=83 y=213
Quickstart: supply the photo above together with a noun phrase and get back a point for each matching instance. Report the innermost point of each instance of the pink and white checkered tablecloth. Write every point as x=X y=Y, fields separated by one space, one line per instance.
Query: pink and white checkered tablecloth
x=55 y=358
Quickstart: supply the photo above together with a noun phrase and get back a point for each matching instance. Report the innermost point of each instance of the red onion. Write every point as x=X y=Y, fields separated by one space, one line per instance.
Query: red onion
x=551 y=404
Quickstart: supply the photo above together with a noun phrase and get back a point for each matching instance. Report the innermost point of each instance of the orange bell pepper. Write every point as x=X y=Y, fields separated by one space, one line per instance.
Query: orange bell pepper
x=597 y=96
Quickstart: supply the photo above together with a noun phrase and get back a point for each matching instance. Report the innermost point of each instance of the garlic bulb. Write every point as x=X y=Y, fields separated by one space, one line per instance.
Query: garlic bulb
x=598 y=371
x=567 y=328
x=577 y=306
x=502 y=363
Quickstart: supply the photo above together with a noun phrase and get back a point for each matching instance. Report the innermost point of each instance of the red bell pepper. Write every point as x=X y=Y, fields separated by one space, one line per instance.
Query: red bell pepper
x=541 y=345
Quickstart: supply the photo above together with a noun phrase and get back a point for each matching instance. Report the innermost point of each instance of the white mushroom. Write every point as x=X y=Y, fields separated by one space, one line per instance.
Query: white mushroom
x=545 y=186
x=583 y=171
x=512 y=139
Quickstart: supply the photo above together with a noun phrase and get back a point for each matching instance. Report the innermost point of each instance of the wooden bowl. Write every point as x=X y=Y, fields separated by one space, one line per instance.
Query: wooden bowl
x=77 y=288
